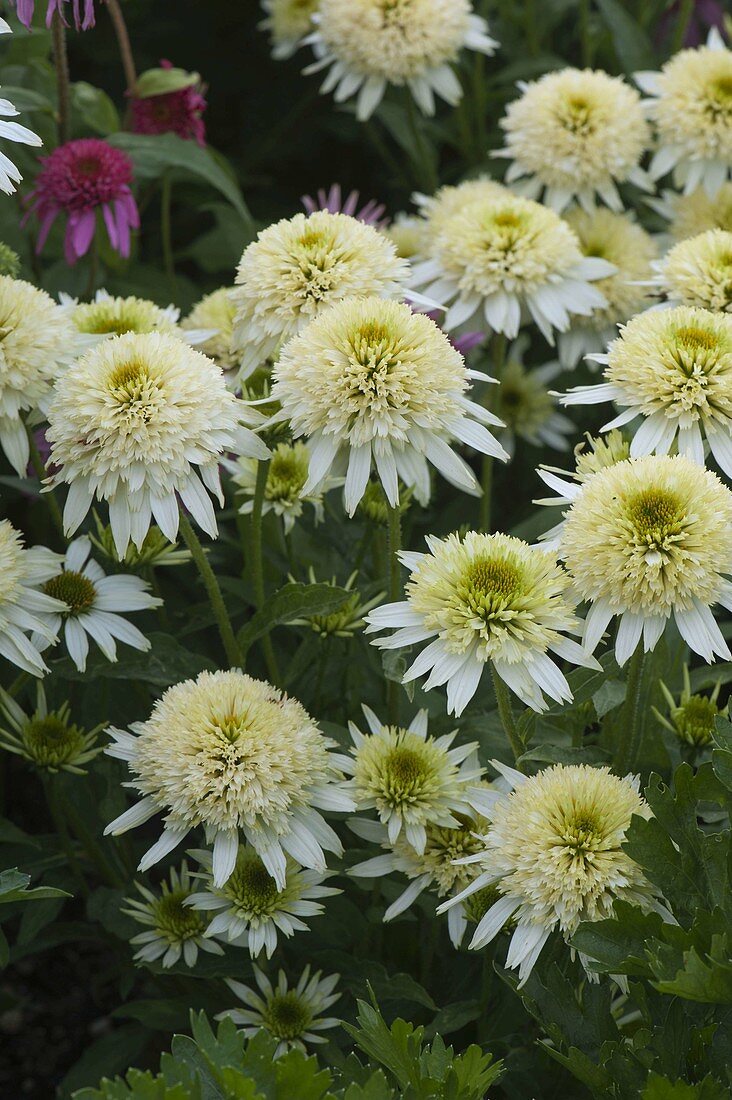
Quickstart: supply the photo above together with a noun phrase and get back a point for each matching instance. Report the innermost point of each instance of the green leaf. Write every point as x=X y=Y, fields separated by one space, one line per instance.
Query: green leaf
x=14 y=887
x=291 y=602
x=609 y=696
x=26 y=99
x=632 y=45
x=95 y=107
x=167 y=662
x=163 y=82
x=155 y=154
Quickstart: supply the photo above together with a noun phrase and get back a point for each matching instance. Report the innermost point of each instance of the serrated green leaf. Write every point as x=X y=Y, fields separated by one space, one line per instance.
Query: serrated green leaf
x=291 y=602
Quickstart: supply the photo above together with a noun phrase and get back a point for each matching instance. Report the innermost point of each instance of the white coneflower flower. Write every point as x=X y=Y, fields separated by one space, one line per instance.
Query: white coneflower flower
x=371 y=381
x=674 y=368
x=691 y=106
x=646 y=539
x=485 y=598
x=452 y=198
x=108 y=315
x=249 y=910
x=625 y=245
x=36 y=338
x=689 y=215
x=411 y=779
x=292 y=1016
x=438 y=868
x=93 y=603
x=698 y=272
x=592 y=454
x=287 y=476
x=287 y=22
x=370 y=44
x=525 y=405
x=48 y=739
x=214 y=315
x=407 y=233
x=174 y=930
x=298 y=267
x=554 y=851
x=140 y=421
x=505 y=258
x=23 y=607
x=233 y=754
x=575 y=134
x=12 y=131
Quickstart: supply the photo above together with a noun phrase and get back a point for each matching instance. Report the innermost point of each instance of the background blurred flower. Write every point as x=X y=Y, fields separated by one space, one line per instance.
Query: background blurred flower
x=169 y=100
x=82 y=11
x=77 y=179
x=372 y=212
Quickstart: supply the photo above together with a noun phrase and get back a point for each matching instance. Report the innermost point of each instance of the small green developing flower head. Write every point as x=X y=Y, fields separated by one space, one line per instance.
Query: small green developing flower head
x=287 y=476
x=485 y=598
x=232 y=753
x=692 y=718
x=9 y=261
x=249 y=909
x=374 y=505
x=698 y=271
x=108 y=316
x=646 y=539
x=292 y=1016
x=155 y=550
x=411 y=779
x=173 y=929
x=526 y=407
x=554 y=850
x=49 y=740
x=346 y=620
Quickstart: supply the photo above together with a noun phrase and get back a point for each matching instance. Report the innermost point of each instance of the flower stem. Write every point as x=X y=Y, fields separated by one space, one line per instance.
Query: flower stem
x=686 y=10
x=505 y=710
x=631 y=732
x=393 y=579
x=123 y=43
x=425 y=173
x=584 y=30
x=486 y=476
x=255 y=563
x=63 y=86
x=40 y=472
x=166 y=231
x=233 y=654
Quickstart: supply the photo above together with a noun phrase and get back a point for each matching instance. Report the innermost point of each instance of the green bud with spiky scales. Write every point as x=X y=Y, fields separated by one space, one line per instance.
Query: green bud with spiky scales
x=47 y=739
x=692 y=717
x=9 y=261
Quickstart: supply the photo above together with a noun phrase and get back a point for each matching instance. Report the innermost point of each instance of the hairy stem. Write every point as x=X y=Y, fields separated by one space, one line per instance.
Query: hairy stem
x=505 y=710
x=631 y=733
x=63 y=83
x=40 y=472
x=486 y=475
x=123 y=43
x=233 y=654
x=393 y=580
x=256 y=566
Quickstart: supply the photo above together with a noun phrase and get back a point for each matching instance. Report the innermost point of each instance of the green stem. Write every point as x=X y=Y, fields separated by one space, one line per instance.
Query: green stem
x=381 y=147
x=255 y=563
x=425 y=173
x=499 y=344
x=532 y=37
x=394 y=541
x=63 y=84
x=233 y=654
x=686 y=10
x=123 y=43
x=631 y=732
x=40 y=472
x=505 y=710
x=584 y=30
x=166 y=232
x=60 y=824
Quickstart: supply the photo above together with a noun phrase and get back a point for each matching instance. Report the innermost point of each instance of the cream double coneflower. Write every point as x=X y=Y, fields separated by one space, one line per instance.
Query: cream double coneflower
x=24 y=606
x=287 y=22
x=554 y=852
x=141 y=421
x=370 y=382
x=506 y=259
x=575 y=134
x=691 y=106
x=298 y=267
x=698 y=272
x=370 y=44
x=674 y=368
x=236 y=756
x=485 y=600
x=647 y=539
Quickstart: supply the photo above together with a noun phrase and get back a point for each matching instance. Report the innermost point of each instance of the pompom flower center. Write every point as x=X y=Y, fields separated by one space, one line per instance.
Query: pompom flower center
x=695 y=719
x=76 y=590
x=490 y=583
x=50 y=741
x=175 y=919
x=287 y=1016
x=657 y=518
x=252 y=889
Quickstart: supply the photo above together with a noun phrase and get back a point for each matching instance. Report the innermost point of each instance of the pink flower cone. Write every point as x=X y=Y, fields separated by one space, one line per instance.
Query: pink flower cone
x=77 y=179
x=332 y=200
x=177 y=112
x=82 y=11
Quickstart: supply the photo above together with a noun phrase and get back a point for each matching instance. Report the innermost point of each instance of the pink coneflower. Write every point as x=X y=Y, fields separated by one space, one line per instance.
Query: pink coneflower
x=178 y=112
x=79 y=178
x=82 y=10
x=332 y=201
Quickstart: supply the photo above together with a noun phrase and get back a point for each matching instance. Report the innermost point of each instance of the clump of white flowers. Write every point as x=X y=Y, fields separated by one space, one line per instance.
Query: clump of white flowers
x=691 y=106
x=689 y=215
x=236 y=756
x=23 y=603
x=371 y=44
x=554 y=851
x=504 y=260
x=371 y=383
x=298 y=267
x=485 y=600
x=141 y=421
x=575 y=135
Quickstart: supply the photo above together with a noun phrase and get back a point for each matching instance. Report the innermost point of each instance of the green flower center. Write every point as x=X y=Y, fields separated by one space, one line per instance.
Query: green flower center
x=287 y=475
x=74 y=589
x=696 y=339
x=478 y=904
x=338 y=622
x=50 y=742
x=721 y=88
x=287 y=1016
x=175 y=920
x=129 y=381
x=251 y=888
x=404 y=770
x=655 y=515
x=112 y=318
x=694 y=720
x=488 y=583
x=581 y=834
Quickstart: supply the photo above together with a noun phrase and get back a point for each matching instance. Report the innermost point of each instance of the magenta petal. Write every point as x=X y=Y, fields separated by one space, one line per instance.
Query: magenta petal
x=123 y=227
x=83 y=231
x=24 y=11
x=133 y=214
x=44 y=228
x=468 y=341
x=69 y=251
x=111 y=224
